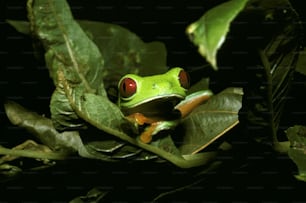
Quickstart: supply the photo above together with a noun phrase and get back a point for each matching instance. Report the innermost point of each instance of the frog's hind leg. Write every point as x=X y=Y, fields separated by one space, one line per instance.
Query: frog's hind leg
x=147 y=135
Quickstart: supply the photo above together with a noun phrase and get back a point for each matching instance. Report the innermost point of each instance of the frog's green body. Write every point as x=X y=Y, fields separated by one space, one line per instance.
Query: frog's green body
x=155 y=100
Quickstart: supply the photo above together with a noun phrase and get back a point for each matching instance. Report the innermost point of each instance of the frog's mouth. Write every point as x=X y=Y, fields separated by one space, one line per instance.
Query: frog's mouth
x=157 y=107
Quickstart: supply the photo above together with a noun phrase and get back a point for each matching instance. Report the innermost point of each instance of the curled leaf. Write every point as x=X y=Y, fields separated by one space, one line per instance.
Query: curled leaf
x=67 y=142
x=42 y=128
x=209 y=32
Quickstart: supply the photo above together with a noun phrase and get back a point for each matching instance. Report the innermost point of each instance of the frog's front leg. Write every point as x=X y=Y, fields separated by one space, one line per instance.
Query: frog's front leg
x=139 y=119
x=147 y=135
x=155 y=127
x=192 y=101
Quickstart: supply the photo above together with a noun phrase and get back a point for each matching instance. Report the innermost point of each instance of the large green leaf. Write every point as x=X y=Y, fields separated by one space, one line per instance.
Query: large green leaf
x=69 y=142
x=211 y=120
x=103 y=148
x=42 y=128
x=124 y=52
x=75 y=64
x=209 y=32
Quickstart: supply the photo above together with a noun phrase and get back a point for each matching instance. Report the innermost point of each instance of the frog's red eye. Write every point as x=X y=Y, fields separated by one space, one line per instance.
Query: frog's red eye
x=127 y=87
x=184 y=79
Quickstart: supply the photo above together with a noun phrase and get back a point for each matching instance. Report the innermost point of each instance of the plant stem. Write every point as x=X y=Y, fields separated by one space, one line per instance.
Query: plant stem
x=279 y=147
x=33 y=154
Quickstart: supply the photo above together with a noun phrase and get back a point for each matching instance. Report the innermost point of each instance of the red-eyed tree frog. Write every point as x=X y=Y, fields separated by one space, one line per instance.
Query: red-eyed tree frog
x=158 y=101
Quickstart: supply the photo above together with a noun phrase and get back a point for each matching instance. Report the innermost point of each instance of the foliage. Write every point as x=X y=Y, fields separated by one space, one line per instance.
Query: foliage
x=209 y=32
x=86 y=59
x=78 y=67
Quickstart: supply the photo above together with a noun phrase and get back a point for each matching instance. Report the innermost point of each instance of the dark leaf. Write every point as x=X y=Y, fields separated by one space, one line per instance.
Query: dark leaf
x=202 y=84
x=39 y=126
x=67 y=142
x=124 y=52
x=278 y=62
x=116 y=149
x=94 y=195
x=62 y=114
x=107 y=146
x=297 y=152
x=211 y=120
x=8 y=171
x=21 y=26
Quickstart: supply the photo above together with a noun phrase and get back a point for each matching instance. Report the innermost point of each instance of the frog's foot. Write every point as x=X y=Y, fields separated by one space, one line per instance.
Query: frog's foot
x=155 y=127
x=147 y=135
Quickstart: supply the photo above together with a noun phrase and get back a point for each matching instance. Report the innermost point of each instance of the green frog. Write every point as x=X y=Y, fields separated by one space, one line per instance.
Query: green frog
x=158 y=102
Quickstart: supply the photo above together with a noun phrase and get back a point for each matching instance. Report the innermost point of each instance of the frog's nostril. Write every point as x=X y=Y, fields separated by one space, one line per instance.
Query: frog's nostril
x=154 y=86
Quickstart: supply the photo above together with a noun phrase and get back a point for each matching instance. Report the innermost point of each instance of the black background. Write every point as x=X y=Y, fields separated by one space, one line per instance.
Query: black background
x=252 y=172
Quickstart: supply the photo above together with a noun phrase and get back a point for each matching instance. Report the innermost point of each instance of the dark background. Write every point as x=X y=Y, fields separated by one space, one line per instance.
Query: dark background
x=251 y=172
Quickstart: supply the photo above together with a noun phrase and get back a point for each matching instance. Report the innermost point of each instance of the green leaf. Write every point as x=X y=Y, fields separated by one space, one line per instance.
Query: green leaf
x=75 y=64
x=105 y=148
x=67 y=142
x=21 y=26
x=209 y=32
x=94 y=195
x=42 y=128
x=297 y=152
x=211 y=120
x=124 y=52
x=278 y=74
x=121 y=56
x=67 y=44
x=8 y=171
x=62 y=114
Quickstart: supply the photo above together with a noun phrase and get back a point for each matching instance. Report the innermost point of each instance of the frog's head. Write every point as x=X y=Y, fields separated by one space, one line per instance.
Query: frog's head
x=138 y=93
